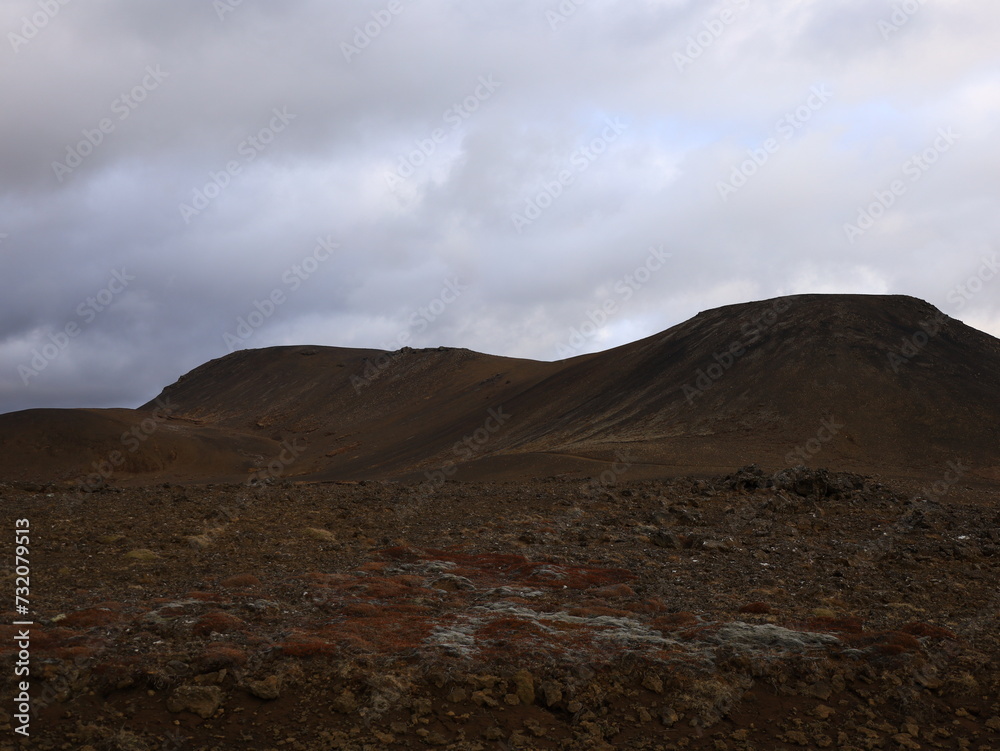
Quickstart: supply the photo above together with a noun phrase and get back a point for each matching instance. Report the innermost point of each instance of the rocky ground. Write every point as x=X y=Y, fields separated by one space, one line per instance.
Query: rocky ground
x=754 y=611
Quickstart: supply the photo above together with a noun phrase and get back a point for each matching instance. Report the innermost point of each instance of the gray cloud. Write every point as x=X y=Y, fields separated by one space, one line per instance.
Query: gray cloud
x=411 y=100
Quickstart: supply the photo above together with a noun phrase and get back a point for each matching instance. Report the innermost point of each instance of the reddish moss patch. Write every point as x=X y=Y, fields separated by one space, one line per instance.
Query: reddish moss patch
x=674 y=621
x=222 y=655
x=615 y=590
x=884 y=642
x=387 y=589
x=387 y=629
x=93 y=618
x=509 y=634
x=44 y=639
x=650 y=607
x=361 y=610
x=927 y=630
x=842 y=625
x=307 y=645
x=217 y=622
x=409 y=580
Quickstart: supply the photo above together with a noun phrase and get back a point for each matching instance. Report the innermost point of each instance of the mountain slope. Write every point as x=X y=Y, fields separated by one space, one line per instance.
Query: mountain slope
x=867 y=383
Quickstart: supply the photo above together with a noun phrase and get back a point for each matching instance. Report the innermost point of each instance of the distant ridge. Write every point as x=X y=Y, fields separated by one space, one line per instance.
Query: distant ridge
x=872 y=383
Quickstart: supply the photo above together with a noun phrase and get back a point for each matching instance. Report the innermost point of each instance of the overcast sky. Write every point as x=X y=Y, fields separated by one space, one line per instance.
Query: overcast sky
x=182 y=178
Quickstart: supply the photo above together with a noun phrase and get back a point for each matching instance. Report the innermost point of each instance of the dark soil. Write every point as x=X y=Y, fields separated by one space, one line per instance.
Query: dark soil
x=802 y=609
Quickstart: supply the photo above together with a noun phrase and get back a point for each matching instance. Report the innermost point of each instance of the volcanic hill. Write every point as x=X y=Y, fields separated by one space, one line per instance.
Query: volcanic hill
x=864 y=383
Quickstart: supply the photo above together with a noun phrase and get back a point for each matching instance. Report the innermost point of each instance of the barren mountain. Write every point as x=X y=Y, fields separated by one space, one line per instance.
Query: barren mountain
x=851 y=382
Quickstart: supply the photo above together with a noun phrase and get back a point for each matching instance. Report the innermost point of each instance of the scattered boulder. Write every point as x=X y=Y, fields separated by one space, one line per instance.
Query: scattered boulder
x=268 y=689
x=525 y=687
x=203 y=701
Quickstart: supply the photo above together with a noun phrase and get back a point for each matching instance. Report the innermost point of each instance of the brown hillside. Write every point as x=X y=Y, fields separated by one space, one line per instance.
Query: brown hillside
x=852 y=382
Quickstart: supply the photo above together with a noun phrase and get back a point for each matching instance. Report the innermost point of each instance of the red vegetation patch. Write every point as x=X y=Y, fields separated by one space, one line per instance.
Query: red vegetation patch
x=93 y=618
x=44 y=639
x=240 y=581
x=507 y=634
x=651 y=606
x=217 y=622
x=407 y=608
x=507 y=627
x=361 y=610
x=843 y=625
x=409 y=580
x=884 y=642
x=674 y=621
x=391 y=631
x=306 y=645
x=927 y=630
x=221 y=655
x=579 y=577
x=366 y=628
x=696 y=632
x=756 y=608
x=385 y=589
x=615 y=590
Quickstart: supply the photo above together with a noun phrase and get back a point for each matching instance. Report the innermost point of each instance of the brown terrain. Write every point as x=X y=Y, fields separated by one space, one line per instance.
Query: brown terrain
x=774 y=526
